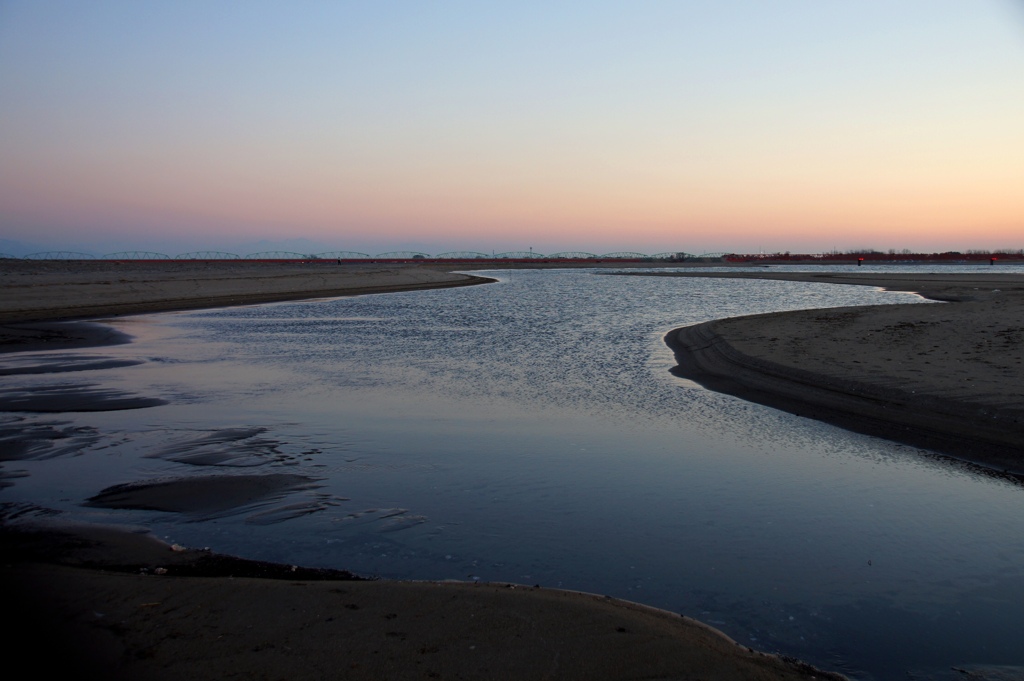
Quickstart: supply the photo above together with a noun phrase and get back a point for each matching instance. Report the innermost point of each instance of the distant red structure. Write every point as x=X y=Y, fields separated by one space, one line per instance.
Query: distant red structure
x=949 y=256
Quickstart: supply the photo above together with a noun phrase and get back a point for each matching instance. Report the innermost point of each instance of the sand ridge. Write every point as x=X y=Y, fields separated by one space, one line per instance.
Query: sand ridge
x=946 y=377
x=51 y=290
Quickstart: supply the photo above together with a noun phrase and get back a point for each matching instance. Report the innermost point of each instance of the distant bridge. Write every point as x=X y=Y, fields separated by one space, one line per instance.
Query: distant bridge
x=291 y=256
x=1012 y=255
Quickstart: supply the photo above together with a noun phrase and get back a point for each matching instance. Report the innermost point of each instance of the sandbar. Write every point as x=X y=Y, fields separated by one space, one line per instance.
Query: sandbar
x=42 y=290
x=202 y=493
x=944 y=377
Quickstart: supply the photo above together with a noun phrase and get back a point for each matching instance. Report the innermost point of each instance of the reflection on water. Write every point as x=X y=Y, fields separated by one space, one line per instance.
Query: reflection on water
x=530 y=431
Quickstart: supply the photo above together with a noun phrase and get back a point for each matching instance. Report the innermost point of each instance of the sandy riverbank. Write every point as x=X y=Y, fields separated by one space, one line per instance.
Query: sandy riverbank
x=39 y=297
x=121 y=605
x=947 y=377
x=37 y=290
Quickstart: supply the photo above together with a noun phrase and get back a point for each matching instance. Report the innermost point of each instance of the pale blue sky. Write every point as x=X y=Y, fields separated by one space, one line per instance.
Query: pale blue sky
x=466 y=125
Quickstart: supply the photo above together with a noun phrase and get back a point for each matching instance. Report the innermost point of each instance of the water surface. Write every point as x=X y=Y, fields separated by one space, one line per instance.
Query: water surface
x=530 y=431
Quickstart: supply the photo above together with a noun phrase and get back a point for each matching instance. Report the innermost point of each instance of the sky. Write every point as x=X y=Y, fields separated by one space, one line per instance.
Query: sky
x=737 y=125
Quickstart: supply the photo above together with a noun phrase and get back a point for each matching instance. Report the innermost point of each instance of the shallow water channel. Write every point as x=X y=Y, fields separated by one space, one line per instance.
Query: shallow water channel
x=530 y=431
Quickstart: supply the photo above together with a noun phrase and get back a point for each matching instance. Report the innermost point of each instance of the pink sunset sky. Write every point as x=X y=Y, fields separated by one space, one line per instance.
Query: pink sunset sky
x=739 y=126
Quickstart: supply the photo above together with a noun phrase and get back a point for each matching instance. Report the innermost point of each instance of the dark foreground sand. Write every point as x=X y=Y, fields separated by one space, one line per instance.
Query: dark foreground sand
x=106 y=604
x=93 y=602
x=947 y=377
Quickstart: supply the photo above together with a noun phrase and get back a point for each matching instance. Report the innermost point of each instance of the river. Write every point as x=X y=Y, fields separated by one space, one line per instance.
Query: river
x=530 y=431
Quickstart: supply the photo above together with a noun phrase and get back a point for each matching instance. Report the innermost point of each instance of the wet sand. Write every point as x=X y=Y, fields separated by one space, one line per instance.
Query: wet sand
x=198 y=494
x=946 y=377
x=123 y=606
x=116 y=604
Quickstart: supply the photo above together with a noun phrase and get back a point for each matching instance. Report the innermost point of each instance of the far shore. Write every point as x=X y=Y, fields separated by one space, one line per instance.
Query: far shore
x=943 y=377
x=62 y=290
x=47 y=303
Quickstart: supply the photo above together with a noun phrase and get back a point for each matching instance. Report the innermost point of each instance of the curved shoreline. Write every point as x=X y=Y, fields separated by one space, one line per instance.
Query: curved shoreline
x=49 y=291
x=176 y=304
x=48 y=304
x=942 y=377
x=119 y=604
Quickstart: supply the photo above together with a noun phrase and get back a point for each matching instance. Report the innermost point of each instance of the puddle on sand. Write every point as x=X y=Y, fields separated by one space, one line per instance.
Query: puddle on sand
x=58 y=399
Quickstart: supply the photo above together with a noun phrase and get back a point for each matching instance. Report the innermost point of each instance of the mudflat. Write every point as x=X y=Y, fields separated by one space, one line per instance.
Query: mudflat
x=947 y=377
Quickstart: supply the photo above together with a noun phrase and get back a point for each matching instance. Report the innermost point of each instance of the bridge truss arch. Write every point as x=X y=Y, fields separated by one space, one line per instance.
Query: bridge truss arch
x=135 y=255
x=462 y=255
x=519 y=255
x=625 y=255
x=59 y=255
x=403 y=255
x=572 y=255
x=341 y=255
x=207 y=255
x=277 y=255
x=678 y=256
x=8 y=256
